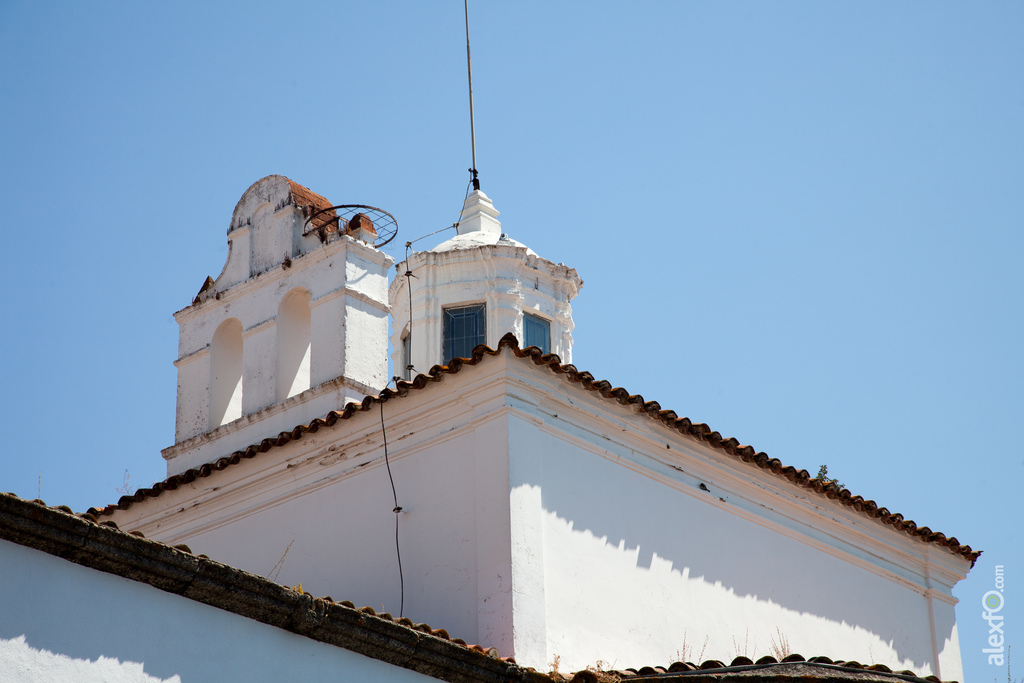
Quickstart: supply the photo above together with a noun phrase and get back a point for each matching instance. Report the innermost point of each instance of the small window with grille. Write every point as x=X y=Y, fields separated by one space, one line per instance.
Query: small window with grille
x=537 y=332
x=464 y=328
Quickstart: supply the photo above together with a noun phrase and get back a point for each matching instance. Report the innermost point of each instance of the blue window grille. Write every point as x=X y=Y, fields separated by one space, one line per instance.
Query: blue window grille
x=464 y=328
x=537 y=332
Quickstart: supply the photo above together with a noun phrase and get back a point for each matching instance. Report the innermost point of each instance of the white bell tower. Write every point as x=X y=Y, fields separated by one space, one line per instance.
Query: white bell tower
x=475 y=288
x=294 y=326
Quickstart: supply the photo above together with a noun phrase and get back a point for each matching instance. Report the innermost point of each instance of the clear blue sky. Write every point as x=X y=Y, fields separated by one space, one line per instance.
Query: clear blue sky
x=800 y=223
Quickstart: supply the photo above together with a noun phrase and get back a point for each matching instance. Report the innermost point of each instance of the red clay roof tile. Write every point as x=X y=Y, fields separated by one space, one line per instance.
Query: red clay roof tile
x=310 y=202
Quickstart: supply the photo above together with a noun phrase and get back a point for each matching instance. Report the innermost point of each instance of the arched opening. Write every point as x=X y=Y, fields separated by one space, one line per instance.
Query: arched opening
x=226 y=373
x=293 y=346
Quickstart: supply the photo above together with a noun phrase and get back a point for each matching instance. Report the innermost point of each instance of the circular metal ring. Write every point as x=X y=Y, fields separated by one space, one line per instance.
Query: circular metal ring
x=341 y=218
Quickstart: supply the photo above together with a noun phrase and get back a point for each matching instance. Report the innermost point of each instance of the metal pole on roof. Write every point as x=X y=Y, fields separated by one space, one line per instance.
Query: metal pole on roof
x=472 y=129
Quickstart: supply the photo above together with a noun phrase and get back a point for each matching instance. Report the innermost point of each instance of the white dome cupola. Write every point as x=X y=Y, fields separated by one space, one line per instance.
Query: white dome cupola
x=473 y=289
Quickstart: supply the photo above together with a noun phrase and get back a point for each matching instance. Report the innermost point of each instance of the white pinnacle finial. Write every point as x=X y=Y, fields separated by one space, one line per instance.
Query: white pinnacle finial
x=479 y=215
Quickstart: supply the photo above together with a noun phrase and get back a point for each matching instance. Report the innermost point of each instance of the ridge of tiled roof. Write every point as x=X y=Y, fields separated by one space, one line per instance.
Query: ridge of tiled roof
x=793 y=667
x=586 y=380
x=84 y=540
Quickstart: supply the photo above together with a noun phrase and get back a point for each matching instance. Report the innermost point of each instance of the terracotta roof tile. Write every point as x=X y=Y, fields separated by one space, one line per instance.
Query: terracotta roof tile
x=310 y=202
x=792 y=668
x=766 y=669
x=585 y=381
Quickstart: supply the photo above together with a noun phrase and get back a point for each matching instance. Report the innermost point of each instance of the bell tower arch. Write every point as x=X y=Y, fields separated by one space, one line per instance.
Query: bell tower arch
x=294 y=326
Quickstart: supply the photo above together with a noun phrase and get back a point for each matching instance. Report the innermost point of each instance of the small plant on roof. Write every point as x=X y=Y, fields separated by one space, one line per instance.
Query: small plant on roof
x=276 y=571
x=825 y=479
x=126 y=486
x=685 y=653
x=746 y=648
x=780 y=649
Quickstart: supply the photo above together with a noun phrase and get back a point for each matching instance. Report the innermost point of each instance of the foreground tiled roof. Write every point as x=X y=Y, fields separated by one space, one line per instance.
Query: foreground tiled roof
x=585 y=381
x=743 y=670
x=86 y=541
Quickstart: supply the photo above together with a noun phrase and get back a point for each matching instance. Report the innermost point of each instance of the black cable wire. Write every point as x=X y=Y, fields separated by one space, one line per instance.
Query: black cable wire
x=383 y=429
x=396 y=510
x=409 y=275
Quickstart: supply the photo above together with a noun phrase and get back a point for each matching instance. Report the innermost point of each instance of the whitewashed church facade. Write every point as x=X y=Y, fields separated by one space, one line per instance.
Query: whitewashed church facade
x=535 y=508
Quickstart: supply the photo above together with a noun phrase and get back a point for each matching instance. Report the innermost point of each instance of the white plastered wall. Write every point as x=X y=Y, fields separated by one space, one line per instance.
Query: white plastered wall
x=621 y=559
x=63 y=622
x=627 y=565
x=319 y=511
